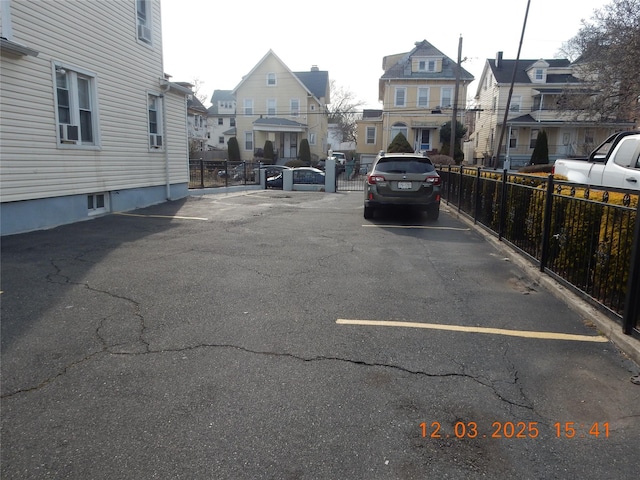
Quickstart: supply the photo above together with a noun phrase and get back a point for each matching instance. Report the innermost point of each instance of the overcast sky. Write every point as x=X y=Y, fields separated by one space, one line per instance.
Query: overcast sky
x=218 y=42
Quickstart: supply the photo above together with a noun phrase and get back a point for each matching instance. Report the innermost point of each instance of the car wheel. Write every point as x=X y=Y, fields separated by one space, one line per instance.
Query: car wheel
x=433 y=211
x=368 y=213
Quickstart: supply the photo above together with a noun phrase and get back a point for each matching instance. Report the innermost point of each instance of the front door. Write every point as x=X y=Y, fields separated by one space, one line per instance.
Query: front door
x=566 y=143
x=423 y=140
x=290 y=145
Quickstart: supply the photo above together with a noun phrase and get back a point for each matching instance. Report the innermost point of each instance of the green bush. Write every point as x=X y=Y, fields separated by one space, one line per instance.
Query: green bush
x=305 y=152
x=233 y=149
x=400 y=145
x=269 y=154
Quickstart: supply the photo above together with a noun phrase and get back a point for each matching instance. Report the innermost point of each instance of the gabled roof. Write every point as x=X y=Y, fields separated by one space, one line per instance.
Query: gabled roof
x=504 y=72
x=219 y=96
x=402 y=68
x=312 y=83
x=316 y=81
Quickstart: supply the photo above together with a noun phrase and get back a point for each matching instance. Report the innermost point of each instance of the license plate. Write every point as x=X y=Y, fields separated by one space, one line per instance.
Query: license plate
x=404 y=185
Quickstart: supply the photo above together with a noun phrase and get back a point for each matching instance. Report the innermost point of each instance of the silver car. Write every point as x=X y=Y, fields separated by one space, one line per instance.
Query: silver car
x=402 y=180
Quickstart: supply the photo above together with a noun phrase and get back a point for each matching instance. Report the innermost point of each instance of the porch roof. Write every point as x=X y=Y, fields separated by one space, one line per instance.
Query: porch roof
x=278 y=125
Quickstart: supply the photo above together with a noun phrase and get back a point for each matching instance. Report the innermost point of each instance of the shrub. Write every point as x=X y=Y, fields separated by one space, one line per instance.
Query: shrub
x=439 y=159
x=268 y=153
x=305 y=152
x=295 y=163
x=400 y=145
x=233 y=149
x=540 y=153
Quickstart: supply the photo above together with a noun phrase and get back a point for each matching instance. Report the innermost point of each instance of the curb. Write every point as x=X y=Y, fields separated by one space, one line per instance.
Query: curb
x=605 y=325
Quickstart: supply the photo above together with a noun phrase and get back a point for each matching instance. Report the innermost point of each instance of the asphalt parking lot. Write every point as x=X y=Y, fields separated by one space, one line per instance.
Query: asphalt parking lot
x=279 y=335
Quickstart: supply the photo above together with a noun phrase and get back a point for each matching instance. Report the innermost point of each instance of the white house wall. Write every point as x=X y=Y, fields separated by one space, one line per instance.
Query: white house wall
x=99 y=37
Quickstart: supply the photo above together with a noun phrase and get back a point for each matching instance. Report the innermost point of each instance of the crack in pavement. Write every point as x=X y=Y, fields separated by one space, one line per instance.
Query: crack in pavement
x=317 y=358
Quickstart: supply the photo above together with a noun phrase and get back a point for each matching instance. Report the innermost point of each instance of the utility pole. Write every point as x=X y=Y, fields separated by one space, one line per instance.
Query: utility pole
x=452 y=142
x=496 y=155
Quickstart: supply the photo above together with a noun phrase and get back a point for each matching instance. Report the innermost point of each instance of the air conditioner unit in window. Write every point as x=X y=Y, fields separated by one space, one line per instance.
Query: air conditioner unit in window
x=144 y=33
x=155 y=140
x=68 y=133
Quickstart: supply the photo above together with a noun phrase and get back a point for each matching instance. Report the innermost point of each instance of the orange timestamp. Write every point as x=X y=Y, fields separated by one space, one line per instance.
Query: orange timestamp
x=514 y=430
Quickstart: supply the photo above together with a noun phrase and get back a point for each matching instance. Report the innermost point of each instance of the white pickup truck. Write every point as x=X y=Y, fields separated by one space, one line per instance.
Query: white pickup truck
x=615 y=163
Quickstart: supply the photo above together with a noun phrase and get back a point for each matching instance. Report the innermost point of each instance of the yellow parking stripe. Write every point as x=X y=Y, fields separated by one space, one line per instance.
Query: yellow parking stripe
x=493 y=331
x=159 y=216
x=424 y=227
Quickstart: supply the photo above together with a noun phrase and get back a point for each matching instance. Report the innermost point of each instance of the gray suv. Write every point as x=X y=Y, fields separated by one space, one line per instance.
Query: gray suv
x=402 y=179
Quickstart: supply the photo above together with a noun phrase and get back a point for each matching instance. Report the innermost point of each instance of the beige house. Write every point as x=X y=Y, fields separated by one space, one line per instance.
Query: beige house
x=417 y=92
x=536 y=105
x=273 y=103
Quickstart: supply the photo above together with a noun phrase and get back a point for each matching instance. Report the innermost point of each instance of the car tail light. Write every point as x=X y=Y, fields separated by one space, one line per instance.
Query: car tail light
x=432 y=180
x=373 y=179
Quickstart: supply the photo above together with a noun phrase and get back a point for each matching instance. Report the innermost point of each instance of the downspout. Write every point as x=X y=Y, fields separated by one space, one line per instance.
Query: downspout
x=166 y=146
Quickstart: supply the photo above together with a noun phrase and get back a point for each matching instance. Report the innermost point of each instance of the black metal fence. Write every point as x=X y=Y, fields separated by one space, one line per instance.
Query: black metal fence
x=222 y=173
x=587 y=239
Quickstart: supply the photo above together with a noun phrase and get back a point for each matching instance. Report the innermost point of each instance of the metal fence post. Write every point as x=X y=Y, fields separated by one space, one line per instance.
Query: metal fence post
x=226 y=171
x=476 y=212
x=448 y=184
x=201 y=173
x=546 y=223
x=460 y=189
x=503 y=205
x=630 y=319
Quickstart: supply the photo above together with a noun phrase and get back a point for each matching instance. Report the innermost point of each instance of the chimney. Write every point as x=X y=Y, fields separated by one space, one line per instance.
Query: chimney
x=314 y=68
x=499 y=60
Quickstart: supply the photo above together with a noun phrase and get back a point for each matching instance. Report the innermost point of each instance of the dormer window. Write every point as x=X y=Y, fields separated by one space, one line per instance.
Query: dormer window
x=271 y=79
x=539 y=77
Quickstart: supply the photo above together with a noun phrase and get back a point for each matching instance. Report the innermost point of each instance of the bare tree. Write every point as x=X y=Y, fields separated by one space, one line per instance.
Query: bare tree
x=344 y=110
x=197 y=87
x=605 y=55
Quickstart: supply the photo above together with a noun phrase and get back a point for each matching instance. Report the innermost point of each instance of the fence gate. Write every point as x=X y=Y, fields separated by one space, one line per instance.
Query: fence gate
x=351 y=178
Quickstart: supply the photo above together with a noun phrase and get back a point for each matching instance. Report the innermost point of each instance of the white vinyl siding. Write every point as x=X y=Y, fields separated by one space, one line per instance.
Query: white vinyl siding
x=99 y=37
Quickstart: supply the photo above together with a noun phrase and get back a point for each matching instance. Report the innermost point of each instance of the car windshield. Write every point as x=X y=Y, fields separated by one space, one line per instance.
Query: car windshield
x=404 y=165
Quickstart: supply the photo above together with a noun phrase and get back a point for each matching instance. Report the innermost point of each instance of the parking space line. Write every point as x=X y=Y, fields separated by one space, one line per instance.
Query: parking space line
x=178 y=217
x=486 y=330
x=424 y=227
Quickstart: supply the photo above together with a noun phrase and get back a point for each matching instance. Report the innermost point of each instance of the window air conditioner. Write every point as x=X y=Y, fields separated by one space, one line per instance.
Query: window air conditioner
x=68 y=133
x=144 y=33
x=155 y=141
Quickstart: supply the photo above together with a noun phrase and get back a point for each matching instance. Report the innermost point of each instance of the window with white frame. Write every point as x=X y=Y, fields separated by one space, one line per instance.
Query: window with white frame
x=516 y=103
x=97 y=203
x=446 y=97
x=143 y=12
x=312 y=138
x=271 y=79
x=154 y=107
x=221 y=140
x=232 y=122
x=400 y=97
x=431 y=66
x=220 y=121
x=75 y=106
x=539 y=75
x=248 y=141
x=271 y=106
x=422 y=65
x=294 y=107
x=423 y=97
x=248 y=106
x=371 y=136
